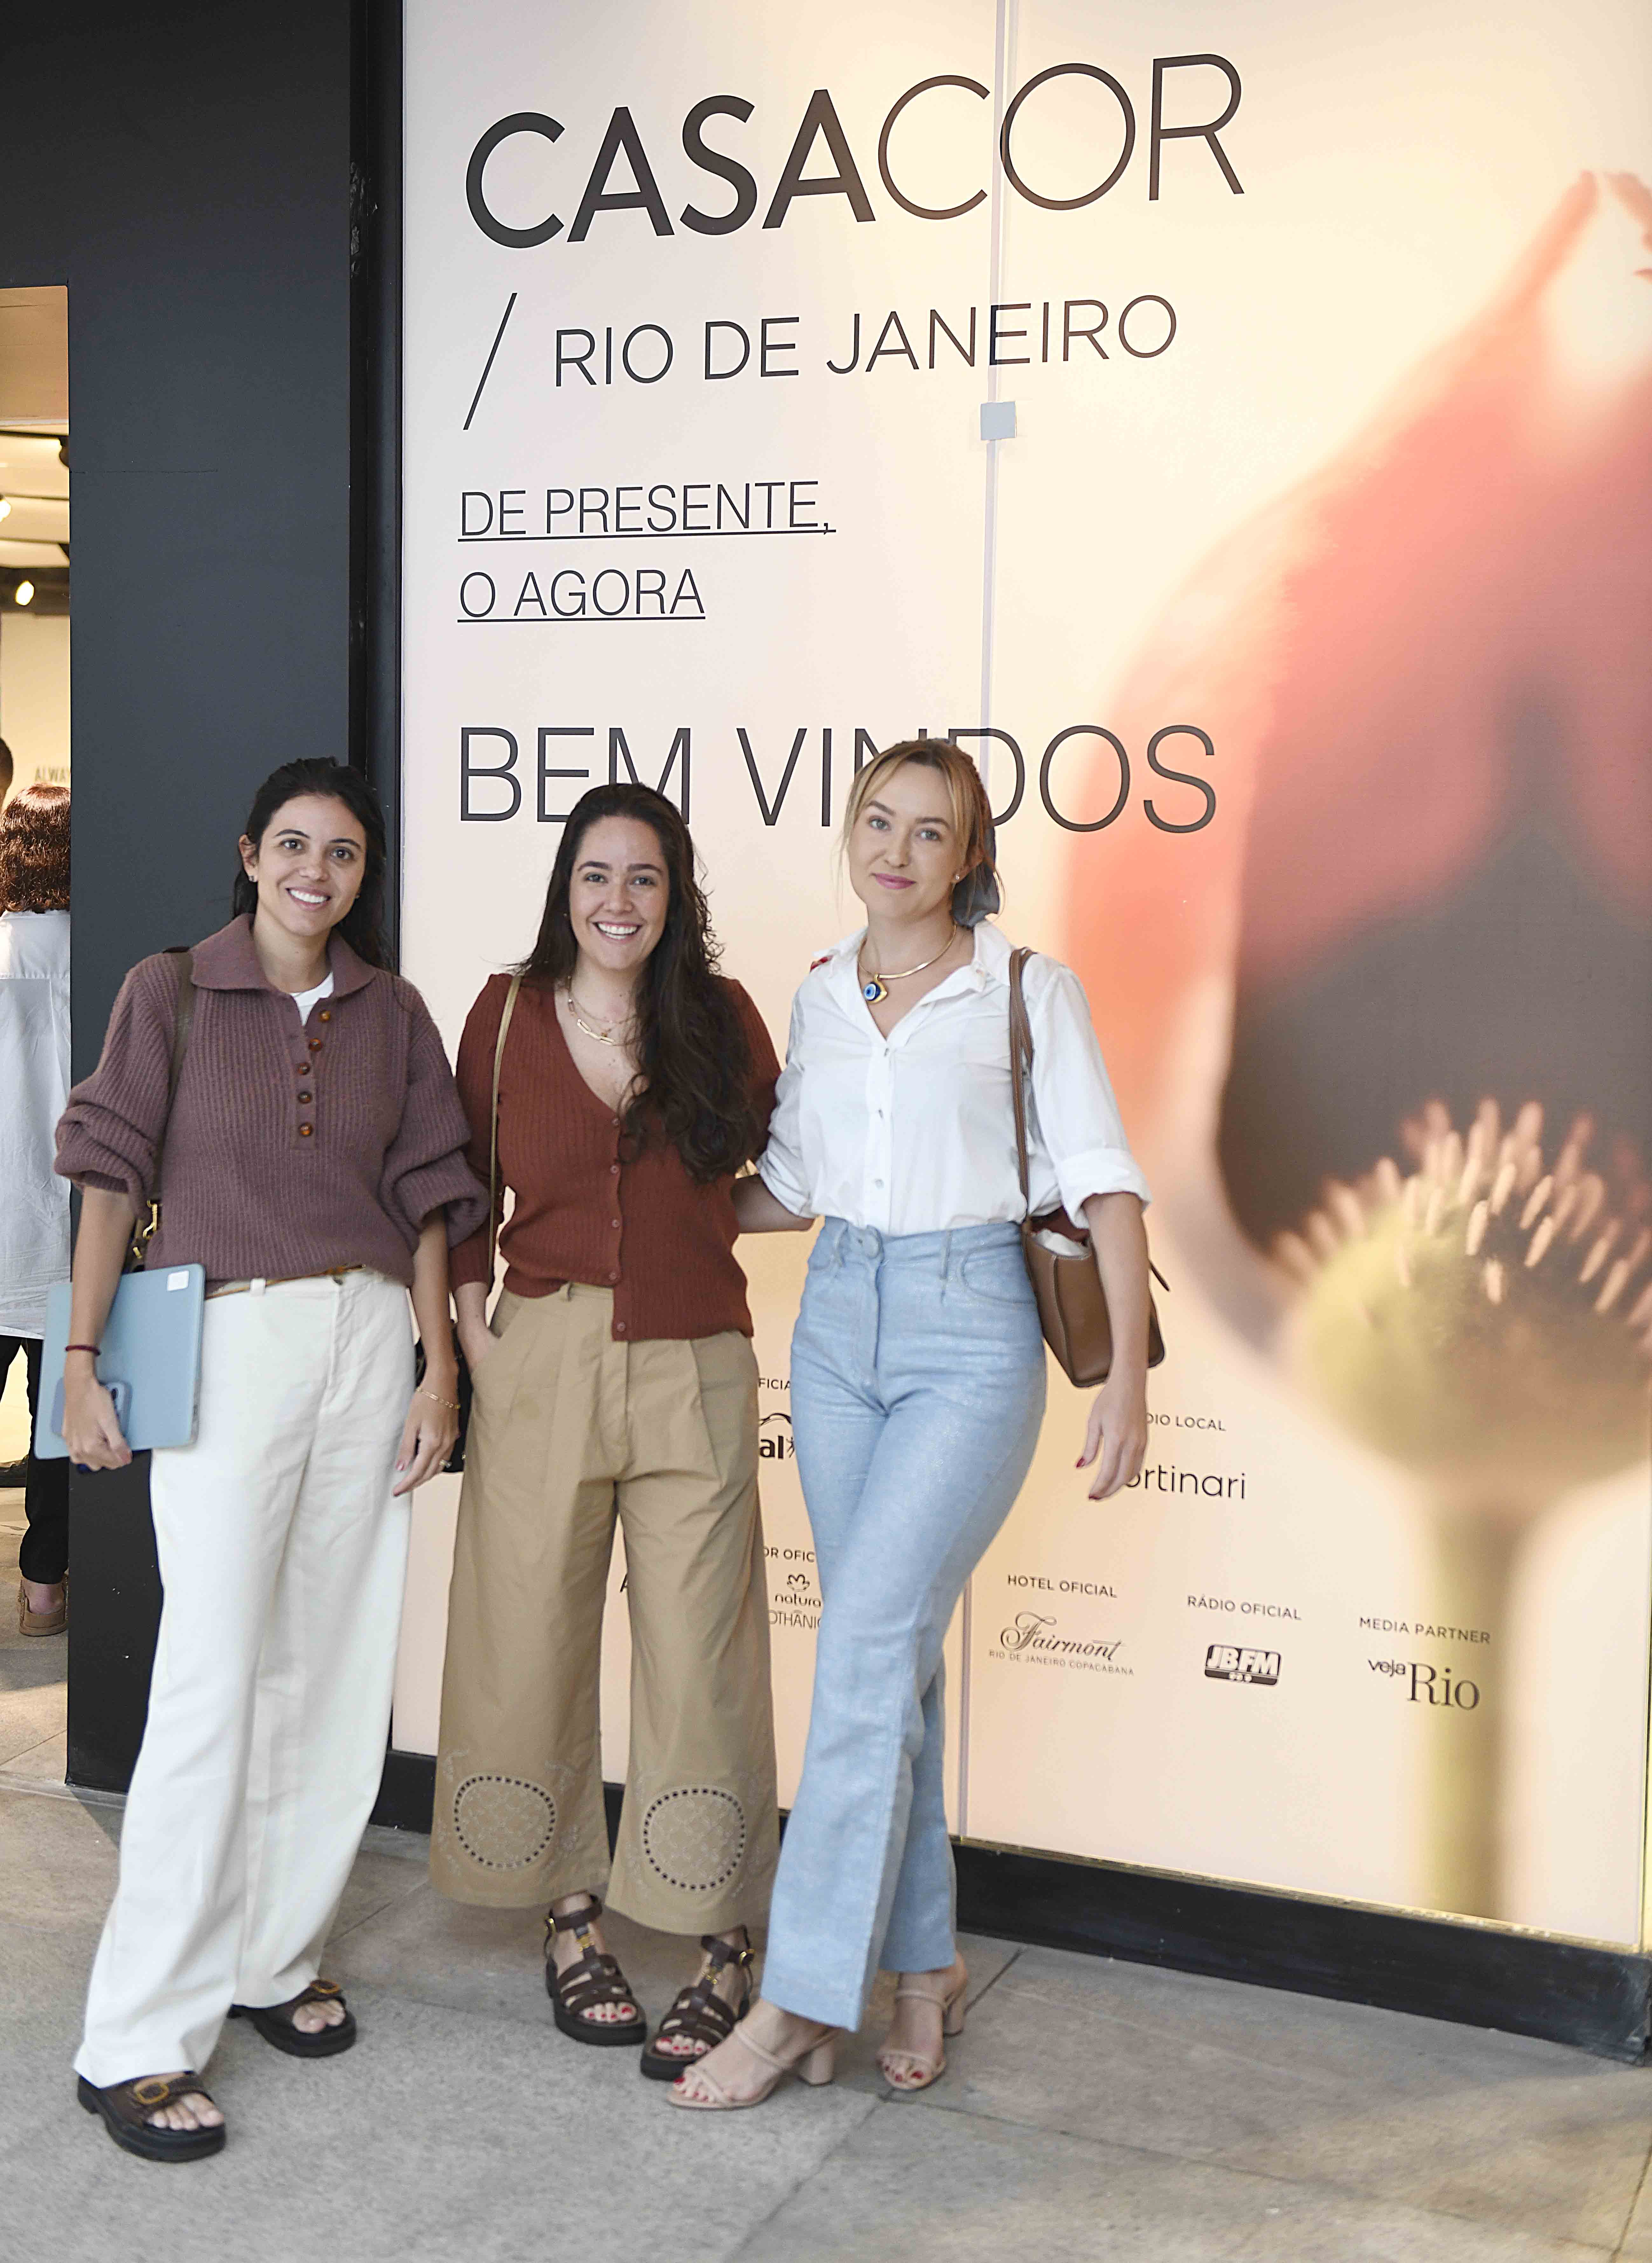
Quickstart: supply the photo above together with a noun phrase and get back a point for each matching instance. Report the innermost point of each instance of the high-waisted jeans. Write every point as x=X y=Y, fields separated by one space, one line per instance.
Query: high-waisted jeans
x=917 y=1391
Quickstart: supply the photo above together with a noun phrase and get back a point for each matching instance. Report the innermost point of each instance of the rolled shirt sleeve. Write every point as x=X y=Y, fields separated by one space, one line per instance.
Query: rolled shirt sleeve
x=1078 y=1117
x=781 y=1165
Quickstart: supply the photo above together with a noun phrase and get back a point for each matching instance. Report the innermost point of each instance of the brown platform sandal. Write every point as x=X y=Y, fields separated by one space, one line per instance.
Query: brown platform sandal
x=699 y=2013
x=593 y=1978
x=274 y=2022
x=126 y=2108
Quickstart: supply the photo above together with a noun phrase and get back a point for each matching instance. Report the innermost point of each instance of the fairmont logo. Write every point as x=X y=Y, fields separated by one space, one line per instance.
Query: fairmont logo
x=1032 y=1641
x=1225 y=1661
x=1027 y=1633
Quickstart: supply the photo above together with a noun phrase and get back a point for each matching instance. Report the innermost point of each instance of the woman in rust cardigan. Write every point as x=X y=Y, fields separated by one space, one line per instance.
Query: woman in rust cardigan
x=617 y=1382
x=315 y=1168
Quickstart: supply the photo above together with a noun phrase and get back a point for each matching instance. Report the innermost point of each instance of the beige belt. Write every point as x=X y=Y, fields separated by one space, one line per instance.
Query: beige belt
x=257 y=1286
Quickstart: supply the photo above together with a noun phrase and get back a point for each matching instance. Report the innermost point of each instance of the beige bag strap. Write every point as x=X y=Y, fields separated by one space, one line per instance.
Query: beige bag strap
x=1020 y=1034
x=493 y=1137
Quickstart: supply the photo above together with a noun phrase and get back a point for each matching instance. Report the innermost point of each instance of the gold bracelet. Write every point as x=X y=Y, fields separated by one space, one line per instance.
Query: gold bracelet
x=451 y=1404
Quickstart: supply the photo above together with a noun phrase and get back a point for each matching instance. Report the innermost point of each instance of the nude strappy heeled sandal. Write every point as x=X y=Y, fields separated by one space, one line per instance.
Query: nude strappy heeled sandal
x=815 y=2064
x=918 y=2069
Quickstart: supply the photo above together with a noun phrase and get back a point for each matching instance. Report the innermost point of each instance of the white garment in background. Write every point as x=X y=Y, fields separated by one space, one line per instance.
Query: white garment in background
x=282 y=1558
x=33 y=1087
x=305 y=999
x=915 y=1133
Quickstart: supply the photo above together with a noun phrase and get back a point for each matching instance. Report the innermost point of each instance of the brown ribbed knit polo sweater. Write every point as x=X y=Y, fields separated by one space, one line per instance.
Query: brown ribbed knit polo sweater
x=291 y=1147
x=584 y=1212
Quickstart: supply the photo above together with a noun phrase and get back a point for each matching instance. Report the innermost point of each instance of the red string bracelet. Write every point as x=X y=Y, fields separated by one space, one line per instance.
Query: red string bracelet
x=95 y=1349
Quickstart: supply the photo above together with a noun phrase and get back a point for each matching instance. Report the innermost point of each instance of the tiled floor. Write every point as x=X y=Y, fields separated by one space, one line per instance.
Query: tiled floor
x=1092 y=2110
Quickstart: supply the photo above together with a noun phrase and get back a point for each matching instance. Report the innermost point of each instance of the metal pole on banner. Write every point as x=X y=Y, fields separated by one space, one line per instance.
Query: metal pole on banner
x=1003 y=69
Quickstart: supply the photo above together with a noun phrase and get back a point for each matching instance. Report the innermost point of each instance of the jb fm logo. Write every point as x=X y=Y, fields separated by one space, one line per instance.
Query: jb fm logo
x=1428 y=1685
x=1225 y=1661
x=774 y=1437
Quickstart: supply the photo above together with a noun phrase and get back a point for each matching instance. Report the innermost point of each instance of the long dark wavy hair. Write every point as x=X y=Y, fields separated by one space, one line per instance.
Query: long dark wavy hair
x=362 y=926
x=695 y=1063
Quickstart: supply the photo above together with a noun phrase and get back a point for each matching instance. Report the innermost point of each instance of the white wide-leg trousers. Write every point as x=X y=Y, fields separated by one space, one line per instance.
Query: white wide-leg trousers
x=283 y=1556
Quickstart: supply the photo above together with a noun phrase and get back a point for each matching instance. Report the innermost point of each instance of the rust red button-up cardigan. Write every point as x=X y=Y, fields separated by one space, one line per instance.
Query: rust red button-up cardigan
x=584 y=1209
x=292 y=1147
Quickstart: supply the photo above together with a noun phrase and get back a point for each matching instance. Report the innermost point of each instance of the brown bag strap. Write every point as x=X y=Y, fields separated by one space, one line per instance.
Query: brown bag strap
x=1021 y=1035
x=493 y=1137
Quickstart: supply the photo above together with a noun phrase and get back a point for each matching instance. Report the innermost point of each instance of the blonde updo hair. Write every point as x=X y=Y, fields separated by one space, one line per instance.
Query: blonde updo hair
x=976 y=894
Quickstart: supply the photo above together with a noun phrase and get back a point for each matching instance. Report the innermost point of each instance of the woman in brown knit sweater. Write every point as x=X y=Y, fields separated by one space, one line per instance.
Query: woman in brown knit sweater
x=617 y=1382
x=314 y=1168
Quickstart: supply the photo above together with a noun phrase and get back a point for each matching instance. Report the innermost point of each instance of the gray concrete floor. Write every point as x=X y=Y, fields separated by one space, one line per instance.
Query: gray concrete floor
x=1092 y=2109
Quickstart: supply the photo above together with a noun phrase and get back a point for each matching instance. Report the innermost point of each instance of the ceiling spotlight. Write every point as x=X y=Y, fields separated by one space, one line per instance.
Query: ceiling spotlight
x=6 y=507
x=25 y=593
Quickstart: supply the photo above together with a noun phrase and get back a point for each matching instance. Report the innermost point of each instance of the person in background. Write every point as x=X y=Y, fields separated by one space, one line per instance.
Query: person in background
x=314 y=1166
x=7 y=769
x=916 y=1385
x=33 y=1201
x=618 y=1385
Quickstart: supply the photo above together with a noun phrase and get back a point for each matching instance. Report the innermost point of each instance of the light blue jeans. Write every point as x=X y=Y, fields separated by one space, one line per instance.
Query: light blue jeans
x=917 y=1390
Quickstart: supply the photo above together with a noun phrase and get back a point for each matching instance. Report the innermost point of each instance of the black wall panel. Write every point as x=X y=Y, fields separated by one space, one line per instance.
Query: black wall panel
x=186 y=171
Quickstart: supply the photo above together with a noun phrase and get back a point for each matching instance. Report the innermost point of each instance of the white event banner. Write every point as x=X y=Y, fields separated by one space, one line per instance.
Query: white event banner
x=779 y=385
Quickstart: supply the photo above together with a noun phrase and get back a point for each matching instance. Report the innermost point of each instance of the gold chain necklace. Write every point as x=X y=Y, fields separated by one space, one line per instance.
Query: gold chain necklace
x=602 y=1036
x=876 y=989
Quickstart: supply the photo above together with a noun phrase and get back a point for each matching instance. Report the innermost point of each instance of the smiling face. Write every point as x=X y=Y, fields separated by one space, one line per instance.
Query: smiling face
x=309 y=866
x=904 y=853
x=619 y=895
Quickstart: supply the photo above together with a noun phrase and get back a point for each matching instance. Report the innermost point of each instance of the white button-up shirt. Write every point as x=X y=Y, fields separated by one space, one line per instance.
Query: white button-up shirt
x=915 y=1132
x=33 y=1087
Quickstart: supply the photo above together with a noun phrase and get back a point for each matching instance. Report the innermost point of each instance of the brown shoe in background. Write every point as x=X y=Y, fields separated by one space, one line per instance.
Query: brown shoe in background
x=33 y=1621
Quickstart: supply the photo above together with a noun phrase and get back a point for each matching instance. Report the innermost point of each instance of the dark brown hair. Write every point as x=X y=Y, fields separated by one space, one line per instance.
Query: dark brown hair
x=34 y=851
x=694 y=1061
x=361 y=926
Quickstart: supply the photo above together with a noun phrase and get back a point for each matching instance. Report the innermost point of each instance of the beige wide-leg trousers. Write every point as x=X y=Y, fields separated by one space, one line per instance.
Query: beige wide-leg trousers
x=570 y=1430
x=283 y=1556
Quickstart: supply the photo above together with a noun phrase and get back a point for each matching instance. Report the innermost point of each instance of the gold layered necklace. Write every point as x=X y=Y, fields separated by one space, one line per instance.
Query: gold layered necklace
x=874 y=987
x=603 y=1036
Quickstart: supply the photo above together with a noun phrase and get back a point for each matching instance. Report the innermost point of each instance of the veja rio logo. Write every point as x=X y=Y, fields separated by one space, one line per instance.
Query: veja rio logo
x=1225 y=1661
x=1428 y=1685
x=623 y=146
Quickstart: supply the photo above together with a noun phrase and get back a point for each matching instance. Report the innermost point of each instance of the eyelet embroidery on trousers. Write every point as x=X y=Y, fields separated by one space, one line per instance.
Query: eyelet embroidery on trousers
x=502 y=1822
x=694 y=1838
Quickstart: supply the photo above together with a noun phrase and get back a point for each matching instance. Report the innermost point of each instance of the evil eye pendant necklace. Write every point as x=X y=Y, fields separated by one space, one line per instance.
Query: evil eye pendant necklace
x=875 y=989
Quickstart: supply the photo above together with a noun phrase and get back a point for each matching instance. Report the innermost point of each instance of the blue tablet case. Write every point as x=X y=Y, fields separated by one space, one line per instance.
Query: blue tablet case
x=151 y=1344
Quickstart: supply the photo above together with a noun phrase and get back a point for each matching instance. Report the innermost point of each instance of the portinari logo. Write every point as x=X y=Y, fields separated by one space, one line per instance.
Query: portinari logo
x=1224 y=1661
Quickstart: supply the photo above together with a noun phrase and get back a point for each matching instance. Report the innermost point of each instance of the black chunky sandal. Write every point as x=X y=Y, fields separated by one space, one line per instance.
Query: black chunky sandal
x=274 y=2022
x=700 y=2013
x=593 y=1978
x=126 y=2108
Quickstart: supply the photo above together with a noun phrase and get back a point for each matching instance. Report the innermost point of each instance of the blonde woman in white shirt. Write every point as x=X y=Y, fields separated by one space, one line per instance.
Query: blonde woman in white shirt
x=916 y=1385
